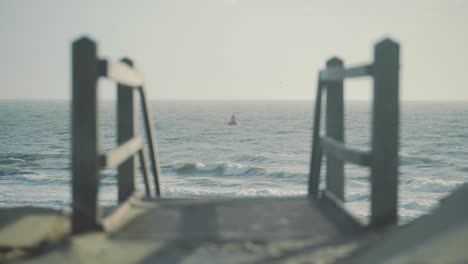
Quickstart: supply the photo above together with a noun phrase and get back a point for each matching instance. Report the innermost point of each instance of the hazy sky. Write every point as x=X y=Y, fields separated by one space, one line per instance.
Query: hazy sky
x=234 y=49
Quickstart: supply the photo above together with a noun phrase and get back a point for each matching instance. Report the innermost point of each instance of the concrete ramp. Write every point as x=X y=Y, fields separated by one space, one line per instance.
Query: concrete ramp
x=251 y=230
x=261 y=230
x=239 y=219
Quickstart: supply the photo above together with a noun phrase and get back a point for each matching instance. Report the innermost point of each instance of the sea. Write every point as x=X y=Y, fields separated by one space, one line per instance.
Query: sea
x=266 y=154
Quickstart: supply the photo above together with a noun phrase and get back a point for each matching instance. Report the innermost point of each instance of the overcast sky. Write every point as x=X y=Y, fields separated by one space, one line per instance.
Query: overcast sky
x=234 y=49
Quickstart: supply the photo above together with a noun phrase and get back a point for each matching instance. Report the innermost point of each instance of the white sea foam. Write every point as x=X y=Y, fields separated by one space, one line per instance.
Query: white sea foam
x=228 y=192
x=358 y=196
x=419 y=205
x=17 y=160
x=436 y=185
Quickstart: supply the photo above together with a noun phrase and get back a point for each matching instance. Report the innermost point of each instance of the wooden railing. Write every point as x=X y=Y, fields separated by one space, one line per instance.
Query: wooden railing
x=383 y=156
x=87 y=161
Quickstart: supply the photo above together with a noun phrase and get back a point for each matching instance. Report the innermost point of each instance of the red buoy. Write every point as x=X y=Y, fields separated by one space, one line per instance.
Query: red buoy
x=233 y=121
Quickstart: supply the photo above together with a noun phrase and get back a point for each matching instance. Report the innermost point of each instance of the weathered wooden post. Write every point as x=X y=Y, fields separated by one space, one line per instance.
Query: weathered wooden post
x=85 y=166
x=385 y=145
x=334 y=129
x=127 y=128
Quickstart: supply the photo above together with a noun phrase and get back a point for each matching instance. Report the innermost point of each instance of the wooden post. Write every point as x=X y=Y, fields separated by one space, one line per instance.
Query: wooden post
x=316 y=157
x=334 y=129
x=384 y=168
x=127 y=125
x=85 y=166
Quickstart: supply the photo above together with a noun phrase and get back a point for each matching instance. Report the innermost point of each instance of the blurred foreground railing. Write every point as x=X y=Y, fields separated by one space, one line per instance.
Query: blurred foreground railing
x=87 y=161
x=383 y=156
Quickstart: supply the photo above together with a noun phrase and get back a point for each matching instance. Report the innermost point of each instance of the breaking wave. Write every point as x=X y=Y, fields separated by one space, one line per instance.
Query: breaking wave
x=436 y=185
x=227 y=169
x=188 y=192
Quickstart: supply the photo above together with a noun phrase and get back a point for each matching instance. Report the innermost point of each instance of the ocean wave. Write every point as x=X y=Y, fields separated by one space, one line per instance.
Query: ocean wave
x=408 y=215
x=424 y=162
x=9 y=161
x=288 y=174
x=15 y=171
x=244 y=192
x=250 y=158
x=419 y=205
x=35 y=176
x=436 y=185
x=25 y=176
x=172 y=139
x=228 y=169
x=176 y=130
x=28 y=157
x=32 y=201
x=407 y=212
x=219 y=168
x=358 y=196
x=417 y=160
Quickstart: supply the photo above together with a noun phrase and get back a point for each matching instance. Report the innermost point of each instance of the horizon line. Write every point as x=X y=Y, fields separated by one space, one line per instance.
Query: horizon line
x=235 y=100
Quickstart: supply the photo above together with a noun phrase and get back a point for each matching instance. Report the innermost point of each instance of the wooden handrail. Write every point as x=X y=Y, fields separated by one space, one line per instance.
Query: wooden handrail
x=86 y=161
x=117 y=156
x=121 y=73
x=331 y=74
x=359 y=71
x=340 y=151
x=383 y=157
